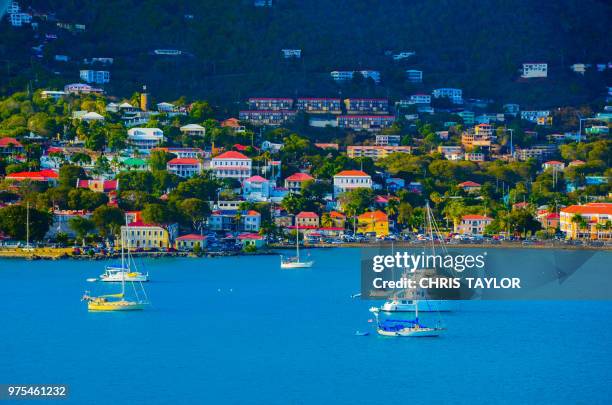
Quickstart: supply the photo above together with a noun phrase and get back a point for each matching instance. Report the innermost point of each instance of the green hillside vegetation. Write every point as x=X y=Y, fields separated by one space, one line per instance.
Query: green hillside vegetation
x=232 y=49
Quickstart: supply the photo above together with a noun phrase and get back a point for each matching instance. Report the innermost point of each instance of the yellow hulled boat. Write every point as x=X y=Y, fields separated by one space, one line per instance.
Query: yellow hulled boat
x=106 y=303
x=117 y=302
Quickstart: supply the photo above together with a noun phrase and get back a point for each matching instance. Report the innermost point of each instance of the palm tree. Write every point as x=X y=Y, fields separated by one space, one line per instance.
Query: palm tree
x=326 y=221
x=392 y=206
x=579 y=222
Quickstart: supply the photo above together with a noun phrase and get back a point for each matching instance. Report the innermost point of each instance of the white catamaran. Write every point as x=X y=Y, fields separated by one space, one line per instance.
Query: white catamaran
x=295 y=262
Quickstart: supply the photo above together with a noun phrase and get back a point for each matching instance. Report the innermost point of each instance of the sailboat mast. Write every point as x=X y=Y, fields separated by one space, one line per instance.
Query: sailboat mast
x=28 y=224
x=122 y=269
x=297 y=240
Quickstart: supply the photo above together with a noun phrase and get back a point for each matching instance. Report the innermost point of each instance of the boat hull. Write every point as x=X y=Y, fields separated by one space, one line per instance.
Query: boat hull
x=117 y=279
x=412 y=332
x=115 y=306
x=297 y=265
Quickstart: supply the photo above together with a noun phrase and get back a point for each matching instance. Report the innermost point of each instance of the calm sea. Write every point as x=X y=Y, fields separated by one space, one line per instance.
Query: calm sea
x=240 y=330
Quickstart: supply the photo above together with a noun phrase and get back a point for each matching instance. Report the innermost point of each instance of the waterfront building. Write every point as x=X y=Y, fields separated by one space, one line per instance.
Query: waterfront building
x=373 y=222
x=149 y=236
x=472 y=224
x=190 y=241
x=588 y=221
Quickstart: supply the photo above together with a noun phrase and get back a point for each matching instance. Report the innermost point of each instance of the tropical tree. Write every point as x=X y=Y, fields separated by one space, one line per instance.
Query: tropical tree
x=196 y=210
x=108 y=220
x=81 y=226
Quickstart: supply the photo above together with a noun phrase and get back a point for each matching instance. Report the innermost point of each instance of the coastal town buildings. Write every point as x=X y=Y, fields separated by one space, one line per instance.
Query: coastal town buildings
x=231 y=164
x=347 y=180
x=149 y=236
x=472 y=225
x=145 y=139
x=588 y=221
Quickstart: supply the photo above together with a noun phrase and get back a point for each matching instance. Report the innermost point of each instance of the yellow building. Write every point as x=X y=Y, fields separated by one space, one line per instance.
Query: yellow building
x=376 y=221
x=589 y=221
x=148 y=236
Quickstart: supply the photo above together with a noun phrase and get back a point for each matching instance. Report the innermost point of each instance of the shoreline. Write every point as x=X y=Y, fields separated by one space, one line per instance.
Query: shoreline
x=67 y=253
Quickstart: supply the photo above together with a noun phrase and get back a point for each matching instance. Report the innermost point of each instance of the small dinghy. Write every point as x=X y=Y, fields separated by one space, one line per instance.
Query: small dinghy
x=92 y=280
x=359 y=333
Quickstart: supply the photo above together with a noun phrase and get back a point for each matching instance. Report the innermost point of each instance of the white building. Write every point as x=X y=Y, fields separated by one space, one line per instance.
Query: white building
x=347 y=180
x=193 y=130
x=184 y=167
x=233 y=165
x=95 y=76
x=420 y=99
x=291 y=53
x=455 y=95
x=388 y=140
x=344 y=75
x=403 y=55
x=145 y=139
x=533 y=70
x=15 y=16
x=414 y=76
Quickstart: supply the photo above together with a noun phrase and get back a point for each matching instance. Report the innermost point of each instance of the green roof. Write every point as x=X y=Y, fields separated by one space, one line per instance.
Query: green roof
x=135 y=162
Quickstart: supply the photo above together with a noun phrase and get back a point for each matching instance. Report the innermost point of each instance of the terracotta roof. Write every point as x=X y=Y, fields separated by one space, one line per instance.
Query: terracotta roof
x=230 y=122
x=191 y=236
x=232 y=155
x=300 y=177
x=107 y=185
x=184 y=161
x=553 y=162
x=352 y=173
x=473 y=217
x=307 y=214
x=256 y=179
x=374 y=216
x=5 y=142
x=590 y=208
x=252 y=213
x=336 y=214
x=42 y=175
x=469 y=184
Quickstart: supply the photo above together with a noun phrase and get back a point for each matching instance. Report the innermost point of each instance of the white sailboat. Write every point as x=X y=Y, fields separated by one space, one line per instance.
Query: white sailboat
x=118 y=302
x=407 y=301
x=294 y=262
x=405 y=327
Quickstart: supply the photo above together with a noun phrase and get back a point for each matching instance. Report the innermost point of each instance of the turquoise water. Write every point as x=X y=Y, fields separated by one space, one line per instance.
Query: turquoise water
x=240 y=330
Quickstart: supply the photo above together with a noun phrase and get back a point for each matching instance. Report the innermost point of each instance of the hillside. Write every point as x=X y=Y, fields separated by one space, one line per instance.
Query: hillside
x=232 y=49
